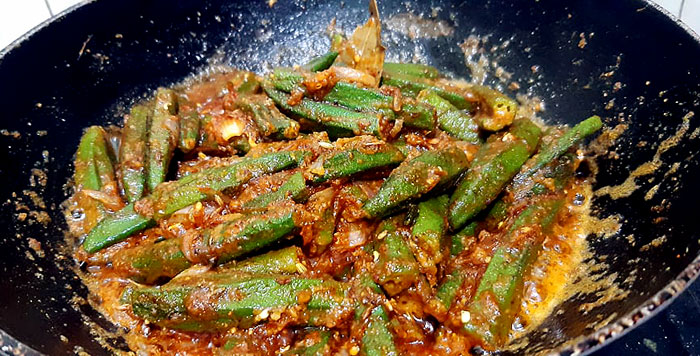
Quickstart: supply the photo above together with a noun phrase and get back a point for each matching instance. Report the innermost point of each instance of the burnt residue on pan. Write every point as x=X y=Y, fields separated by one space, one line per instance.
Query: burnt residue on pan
x=623 y=60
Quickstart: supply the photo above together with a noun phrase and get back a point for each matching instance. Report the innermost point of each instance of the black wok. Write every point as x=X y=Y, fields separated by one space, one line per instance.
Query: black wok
x=87 y=65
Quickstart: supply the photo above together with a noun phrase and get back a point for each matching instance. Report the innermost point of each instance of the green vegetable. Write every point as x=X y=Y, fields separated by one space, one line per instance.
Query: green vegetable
x=378 y=339
x=367 y=100
x=190 y=189
x=116 y=228
x=416 y=177
x=429 y=232
x=222 y=300
x=294 y=188
x=321 y=62
x=497 y=109
x=189 y=126
x=352 y=161
x=493 y=167
x=250 y=83
x=447 y=290
x=455 y=122
x=93 y=172
x=193 y=188
x=132 y=152
x=314 y=343
x=502 y=282
x=151 y=262
x=85 y=175
x=462 y=239
x=557 y=147
x=162 y=137
x=411 y=70
x=269 y=120
x=411 y=86
x=320 y=233
x=104 y=165
x=395 y=266
x=289 y=260
x=337 y=120
x=229 y=240
x=497 y=213
x=220 y=244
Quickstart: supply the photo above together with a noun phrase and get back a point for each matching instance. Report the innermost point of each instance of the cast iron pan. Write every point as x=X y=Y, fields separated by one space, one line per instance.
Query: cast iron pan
x=89 y=64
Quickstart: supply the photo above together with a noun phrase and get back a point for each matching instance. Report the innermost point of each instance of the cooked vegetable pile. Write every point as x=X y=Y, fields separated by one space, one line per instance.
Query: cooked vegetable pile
x=343 y=206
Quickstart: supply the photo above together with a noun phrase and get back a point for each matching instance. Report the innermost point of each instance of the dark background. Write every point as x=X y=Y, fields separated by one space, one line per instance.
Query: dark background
x=674 y=331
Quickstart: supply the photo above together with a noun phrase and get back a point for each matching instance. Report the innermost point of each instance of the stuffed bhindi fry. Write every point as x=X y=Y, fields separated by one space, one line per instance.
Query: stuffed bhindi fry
x=345 y=205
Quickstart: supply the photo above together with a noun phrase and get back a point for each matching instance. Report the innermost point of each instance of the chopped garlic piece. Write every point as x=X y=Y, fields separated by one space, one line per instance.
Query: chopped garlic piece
x=465 y=316
x=231 y=128
x=301 y=268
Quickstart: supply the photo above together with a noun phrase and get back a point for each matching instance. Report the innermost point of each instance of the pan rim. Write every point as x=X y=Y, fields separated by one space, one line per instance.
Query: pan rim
x=27 y=35
x=644 y=312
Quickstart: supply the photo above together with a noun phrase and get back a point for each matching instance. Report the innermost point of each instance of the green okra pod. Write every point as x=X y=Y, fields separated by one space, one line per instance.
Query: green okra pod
x=325 y=228
x=289 y=260
x=413 y=115
x=496 y=214
x=352 y=161
x=94 y=172
x=349 y=95
x=192 y=188
x=378 y=339
x=132 y=152
x=395 y=266
x=497 y=109
x=495 y=164
x=462 y=239
x=294 y=188
x=447 y=290
x=337 y=120
x=220 y=244
x=562 y=144
x=314 y=343
x=457 y=123
x=249 y=83
x=208 y=141
x=411 y=86
x=321 y=62
x=162 y=137
x=502 y=282
x=105 y=166
x=216 y=301
x=429 y=231
x=116 y=228
x=416 y=177
x=411 y=70
x=319 y=234
x=152 y=262
x=86 y=176
x=229 y=240
x=189 y=126
x=269 y=120
x=184 y=192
